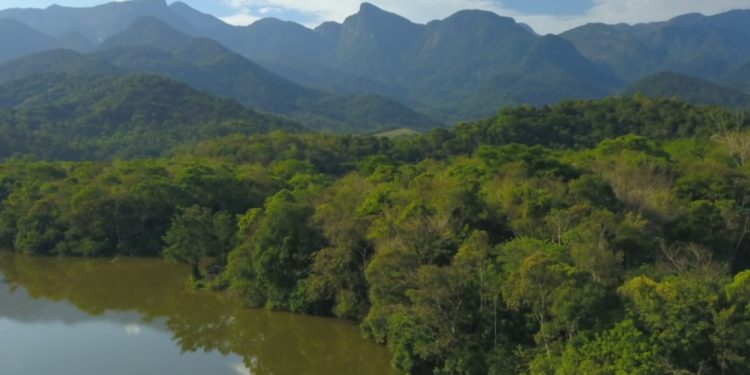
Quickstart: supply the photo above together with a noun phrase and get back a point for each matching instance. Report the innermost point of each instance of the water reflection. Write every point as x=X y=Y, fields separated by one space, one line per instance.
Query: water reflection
x=147 y=298
x=241 y=369
x=133 y=329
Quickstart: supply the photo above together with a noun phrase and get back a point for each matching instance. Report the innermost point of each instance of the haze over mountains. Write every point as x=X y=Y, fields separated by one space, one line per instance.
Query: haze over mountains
x=370 y=71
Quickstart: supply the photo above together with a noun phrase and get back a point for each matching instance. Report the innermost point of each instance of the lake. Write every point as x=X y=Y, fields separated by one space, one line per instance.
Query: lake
x=136 y=316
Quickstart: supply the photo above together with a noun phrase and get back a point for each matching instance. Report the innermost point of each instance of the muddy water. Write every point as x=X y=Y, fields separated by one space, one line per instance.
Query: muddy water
x=135 y=316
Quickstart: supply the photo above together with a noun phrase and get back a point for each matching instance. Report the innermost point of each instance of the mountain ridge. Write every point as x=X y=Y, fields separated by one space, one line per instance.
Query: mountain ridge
x=152 y=47
x=463 y=67
x=388 y=61
x=694 y=44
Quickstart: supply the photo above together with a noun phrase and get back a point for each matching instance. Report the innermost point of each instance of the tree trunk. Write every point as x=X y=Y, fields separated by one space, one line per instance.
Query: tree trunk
x=196 y=271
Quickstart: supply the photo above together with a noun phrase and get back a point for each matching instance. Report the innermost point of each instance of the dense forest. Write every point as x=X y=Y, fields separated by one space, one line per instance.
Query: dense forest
x=691 y=89
x=73 y=117
x=589 y=237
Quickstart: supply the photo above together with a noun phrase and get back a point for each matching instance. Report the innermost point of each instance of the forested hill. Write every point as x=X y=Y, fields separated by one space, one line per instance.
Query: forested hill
x=690 y=89
x=475 y=250
x=72 y=117
x=738 y=79
x=18 y=39
x=576 y=125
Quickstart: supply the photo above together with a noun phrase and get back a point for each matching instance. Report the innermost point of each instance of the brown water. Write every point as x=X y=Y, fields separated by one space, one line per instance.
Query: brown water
x=135 y=316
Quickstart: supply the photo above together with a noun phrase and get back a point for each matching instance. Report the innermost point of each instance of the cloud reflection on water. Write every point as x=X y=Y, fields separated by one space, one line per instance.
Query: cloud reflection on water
x=240 y=369
x=133 y=329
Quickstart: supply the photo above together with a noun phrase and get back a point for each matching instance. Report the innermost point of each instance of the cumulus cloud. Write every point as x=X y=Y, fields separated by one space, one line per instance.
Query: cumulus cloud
x=607 y=11
x=241 y=18
x=243 y=14
x=320 y=11
x=631 y=11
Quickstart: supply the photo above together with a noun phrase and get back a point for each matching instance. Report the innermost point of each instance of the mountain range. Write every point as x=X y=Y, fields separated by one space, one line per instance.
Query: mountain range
x=377 y=70
x=693 y=44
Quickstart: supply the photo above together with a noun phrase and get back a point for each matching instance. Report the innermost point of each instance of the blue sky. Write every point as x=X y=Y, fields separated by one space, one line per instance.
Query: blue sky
x=544 y=15
x=559 y=7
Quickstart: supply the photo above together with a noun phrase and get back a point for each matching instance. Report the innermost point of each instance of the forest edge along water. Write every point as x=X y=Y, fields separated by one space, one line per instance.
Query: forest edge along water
x=135 y=315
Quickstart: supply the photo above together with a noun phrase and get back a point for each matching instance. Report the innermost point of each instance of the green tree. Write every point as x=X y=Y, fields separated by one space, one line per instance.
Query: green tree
x=678 y=313
x=534 y=286
x=197 y=233
x=275 y=252
x=590 y=247
x=622 y=350
x=731 y=337
x=338 y=270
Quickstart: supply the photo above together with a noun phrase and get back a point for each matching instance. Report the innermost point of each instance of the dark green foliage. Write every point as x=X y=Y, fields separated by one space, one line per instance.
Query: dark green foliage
x=274 y=255
x=543 y=241
x=329 y=154
x=91 y=209
x=692 y=90
x=196 y=233
x=571 y=124
x=738 y=78
x=624 y=349
x=96 y=117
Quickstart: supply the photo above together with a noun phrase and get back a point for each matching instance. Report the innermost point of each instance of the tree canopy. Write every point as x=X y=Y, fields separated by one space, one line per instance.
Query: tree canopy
x=609 y=238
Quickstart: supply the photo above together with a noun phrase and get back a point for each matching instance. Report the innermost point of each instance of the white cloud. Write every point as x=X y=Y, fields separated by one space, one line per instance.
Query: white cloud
x=631 y=11
x=267 y=10
x=607 y=11
x=242 y=18
x=337 y=10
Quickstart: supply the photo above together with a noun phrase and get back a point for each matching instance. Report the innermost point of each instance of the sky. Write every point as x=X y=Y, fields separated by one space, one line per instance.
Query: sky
x=545 y=16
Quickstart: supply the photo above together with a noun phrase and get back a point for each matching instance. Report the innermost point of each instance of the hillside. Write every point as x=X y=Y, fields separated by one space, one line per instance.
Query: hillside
x=702 y=46
x=66 y=117
x=57 y=61
x=690 y=89
x=96 y=23
x=18 y=39
x=455 y=68
x=738 y=78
